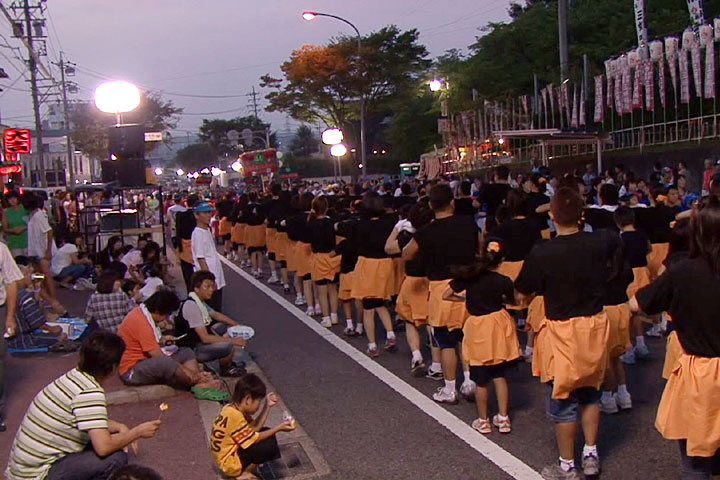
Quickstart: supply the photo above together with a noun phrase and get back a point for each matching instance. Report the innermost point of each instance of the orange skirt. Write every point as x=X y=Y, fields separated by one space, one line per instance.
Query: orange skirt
x=270 y=239
x=346 y=283
x=255 y=236
x=571 y=353
x=656 y=257
x=291 y=254
x=689 y=408
x=324 y=267
x=399 y=266
x=641 y=280
x=186 y=253
x=510 y=269
x=237 y=234
x=281 y=246
x=374 y=278
x=619 y=335
x=225 y=227
x=490 y=339
x=444 y=313
x=303 y=259
x=673 y=350
x=536 y=313
x=412 y=301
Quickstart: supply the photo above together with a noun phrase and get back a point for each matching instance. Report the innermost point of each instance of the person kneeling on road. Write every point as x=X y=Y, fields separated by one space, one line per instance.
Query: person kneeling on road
x=66 y=432
x=144 y=362
x=201 y=328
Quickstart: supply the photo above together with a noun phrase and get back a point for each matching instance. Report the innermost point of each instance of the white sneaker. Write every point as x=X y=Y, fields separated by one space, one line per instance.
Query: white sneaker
x=655 y=331
x=299 y=300
x=318 y=309
x=442 y=396
x=628 y=357
x=609 y=405
x=273 y=279
x=310 y=311
x=467 y=390
x=326 y=322
x=624 y=401
x=334 y=318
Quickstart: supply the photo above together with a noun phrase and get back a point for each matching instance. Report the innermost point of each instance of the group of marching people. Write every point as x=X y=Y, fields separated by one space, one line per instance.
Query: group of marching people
x=583 y=281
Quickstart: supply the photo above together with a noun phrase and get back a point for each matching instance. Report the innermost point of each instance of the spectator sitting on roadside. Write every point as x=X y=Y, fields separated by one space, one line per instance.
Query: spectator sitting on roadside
x=135 y=472
x=111 y=253
x=133 y=259
x=196 y=322
x=79 y=441
x=67 y=267
x=45 y=298
x=32 y=330
x=143 y=362
x=109 y=304
x=153 y=282
x=132 y=290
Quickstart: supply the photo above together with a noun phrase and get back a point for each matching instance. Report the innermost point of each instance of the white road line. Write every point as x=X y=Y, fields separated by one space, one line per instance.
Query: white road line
x=512 y=465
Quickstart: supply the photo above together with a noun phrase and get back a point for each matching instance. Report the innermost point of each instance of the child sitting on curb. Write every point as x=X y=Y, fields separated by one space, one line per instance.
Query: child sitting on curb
x=239 y=443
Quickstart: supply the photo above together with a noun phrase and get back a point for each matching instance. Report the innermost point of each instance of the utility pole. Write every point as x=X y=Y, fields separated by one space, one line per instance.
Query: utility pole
x=254 y=95
x=562 y=37
x=68 y=142
x=34 y=92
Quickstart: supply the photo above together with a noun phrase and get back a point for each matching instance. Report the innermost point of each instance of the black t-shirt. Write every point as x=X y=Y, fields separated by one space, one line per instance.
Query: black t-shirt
x=655 y=221
x=601 y=218
x=492 y=195
x=416 y=266
x=534 y=200
x=296 y=225
x=616 y=287
x=347 y=248
x=322 y=234
x=253 y=214
x=485 y=293
x=464 y=206
x=369 y=236
x=224 y=208
x=518 y=236
x=571 y=271
x=185 y=223
x=635 y=248
x=445 y=242
x=404 y=200
x=688 y=290
x=274 y=210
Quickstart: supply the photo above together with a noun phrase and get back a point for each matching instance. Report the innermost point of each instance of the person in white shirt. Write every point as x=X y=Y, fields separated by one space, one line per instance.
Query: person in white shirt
x=171 y=216
x=205 y=256
x=68 y=268
x=41 y=244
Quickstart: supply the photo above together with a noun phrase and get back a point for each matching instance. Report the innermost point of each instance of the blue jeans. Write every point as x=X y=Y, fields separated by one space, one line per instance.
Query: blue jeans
x=86 y=465
x=76 y=271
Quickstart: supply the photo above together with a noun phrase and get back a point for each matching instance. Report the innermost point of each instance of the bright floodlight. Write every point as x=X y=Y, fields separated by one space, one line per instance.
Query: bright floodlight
x=158 y=171
x=501 y=141
x=179 y=172
x=215 y=171
x=236 y=166
x=309 y=16
x=338 y=150
x=117 y=97
x=205 y=171
x=195 y=175
x=332 y=136
x=435 y=85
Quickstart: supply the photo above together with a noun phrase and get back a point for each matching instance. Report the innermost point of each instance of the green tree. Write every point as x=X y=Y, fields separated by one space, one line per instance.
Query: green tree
x=195 y=156
x=90 y=126
x=214 y=132
x=304 y=142
x=413 y=127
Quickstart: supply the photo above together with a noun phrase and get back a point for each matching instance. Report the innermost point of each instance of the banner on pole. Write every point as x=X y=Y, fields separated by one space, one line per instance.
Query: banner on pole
x=582 y=105
x=637 y=88
x=627 y=87
x=649 y=75
x=598 y=116
x=684 y=76
x=609 y=74
x=672 y=53
x=640 y=26
x=697 y=69
x=574 y=114
x=695 y=8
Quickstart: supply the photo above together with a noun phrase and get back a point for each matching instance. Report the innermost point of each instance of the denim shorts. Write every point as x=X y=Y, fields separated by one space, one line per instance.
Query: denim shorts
x=441 y=337
x=568 y=409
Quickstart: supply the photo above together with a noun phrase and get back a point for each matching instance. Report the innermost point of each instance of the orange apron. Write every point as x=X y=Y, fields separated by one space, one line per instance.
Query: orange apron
x=641 y=279
x=346 y=283
x=255 y=236
x=510 y=269
x=236 y=233
x=619 y=333
x=225 y=227
x=291 y=255
x=270 y=239
x=490 y=339
x=673 y=350
x=186 y=254
x=281 y=246
x=324 y=267
x=412 y=301
x=571 y=353
x=399 y=266
x=656 y=257
x=303 y=259
x=373 y=278
x=444 y=313
x=536 y=313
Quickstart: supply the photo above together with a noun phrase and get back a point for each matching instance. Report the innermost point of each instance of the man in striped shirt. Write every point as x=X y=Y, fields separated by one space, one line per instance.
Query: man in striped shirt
x=66 y=432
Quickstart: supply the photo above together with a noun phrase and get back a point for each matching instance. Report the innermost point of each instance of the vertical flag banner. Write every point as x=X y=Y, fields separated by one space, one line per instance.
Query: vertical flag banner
x=695 y=8
x=609 y=74
x=657 y=55
x=561 y=107
x=618 y=86
x=598 y=116
x=716 y=23
x=649 y=75
x=574 y=115
x=671 y=53
x=582 y=105
x=707 y=41
x=637 y=88
x=566 y=100
x=640 y=25
x=627 y=86
x=684 y=76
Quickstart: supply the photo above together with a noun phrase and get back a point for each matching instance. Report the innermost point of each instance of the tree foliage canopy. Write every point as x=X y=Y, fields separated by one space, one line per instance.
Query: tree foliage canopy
x=214 y=133
x=304 y=142
x=195 y=157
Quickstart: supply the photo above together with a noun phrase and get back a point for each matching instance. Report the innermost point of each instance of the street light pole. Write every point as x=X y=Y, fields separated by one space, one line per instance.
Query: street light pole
x=363 y=150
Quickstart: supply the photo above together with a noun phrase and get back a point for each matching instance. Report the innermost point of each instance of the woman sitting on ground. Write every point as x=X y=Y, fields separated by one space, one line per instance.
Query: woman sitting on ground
x=109 y=304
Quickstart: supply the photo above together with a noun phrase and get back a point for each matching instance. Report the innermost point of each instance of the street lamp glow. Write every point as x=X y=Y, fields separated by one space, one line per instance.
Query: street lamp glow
x=332 y=136
x=309 y=16
x=236 y=166
x=338 y=150
x=117 y=97
x=195 y=175
x=179 y=172
x=215 y=171
x=158 y=171
x=435 y=85
x=205 y=171
x=501 y=141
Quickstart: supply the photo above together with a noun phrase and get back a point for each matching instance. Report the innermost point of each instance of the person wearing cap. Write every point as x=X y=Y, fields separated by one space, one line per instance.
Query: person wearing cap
x=204 y=254
x=171 y=218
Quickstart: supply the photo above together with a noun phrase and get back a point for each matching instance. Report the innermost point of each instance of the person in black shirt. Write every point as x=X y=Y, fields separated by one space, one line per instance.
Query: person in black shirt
x=655 y=221
x=601 y=216
x=571 y=271
x=490 y=342
x=239 y=226
x=464 y=203
x=255 y=233
x=185 y=224
x=688 y=290
x=223 y=211
x=517 y=235
x=325 y=263
x=296 y=225
x=449 y=240
x=272 y=211
x=276 y=214
x=494 y=194
x=348 y=258
x=536 y=187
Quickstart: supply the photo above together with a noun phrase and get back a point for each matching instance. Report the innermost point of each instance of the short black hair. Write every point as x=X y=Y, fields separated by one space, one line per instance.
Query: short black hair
x=406 y=189
x=372 y=204
x=135 y=472
x=466 y=187
x=624 y=216
x=199 y=277
x=440 y=196
x=275 y=189
x=119 y=267
x=100 y=353
x=129 y=285
x=566 y=207
x=163 y=302
x=106 y=281
x=501 y=171
x=249 y=384
x=609 y=194
x=22 y=260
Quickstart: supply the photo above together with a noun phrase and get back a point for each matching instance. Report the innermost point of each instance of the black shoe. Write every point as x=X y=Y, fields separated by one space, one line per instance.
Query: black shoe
x=233 y=372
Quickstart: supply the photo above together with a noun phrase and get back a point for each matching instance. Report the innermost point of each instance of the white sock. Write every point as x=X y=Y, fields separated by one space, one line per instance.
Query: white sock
x=349 y=323
x=435 y=366
x=333 y=316
x=286 y=285
x=372 y=346
x=606 y=396
x=622 y=390
x=325 y=319
x=466 y=373
x=391 y=335
x=590 y=450
x=503 y=417
x=640 y=341
x=417 y=356
x=528 y=350
x=566 y=465
x=359 y=328
x=449 y=386
x=663 y=322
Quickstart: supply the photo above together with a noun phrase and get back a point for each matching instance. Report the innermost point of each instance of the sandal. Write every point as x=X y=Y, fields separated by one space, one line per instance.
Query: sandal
x=64 y=347
x=233 y=372
x=482 y=425
x=212 y=394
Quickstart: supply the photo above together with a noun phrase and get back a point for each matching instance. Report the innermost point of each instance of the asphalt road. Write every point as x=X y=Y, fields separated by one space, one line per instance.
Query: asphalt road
x=366 y=430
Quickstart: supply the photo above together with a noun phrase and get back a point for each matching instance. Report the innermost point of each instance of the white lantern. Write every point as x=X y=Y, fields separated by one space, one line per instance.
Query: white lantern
x=338 y=150
x=332 y=136
x=117 y=97
x=706 y=35
x=671 y=46
x=656 y=50
x=689 y=39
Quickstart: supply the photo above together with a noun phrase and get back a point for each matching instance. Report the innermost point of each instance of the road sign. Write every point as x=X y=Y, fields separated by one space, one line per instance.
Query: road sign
x=153 y=136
